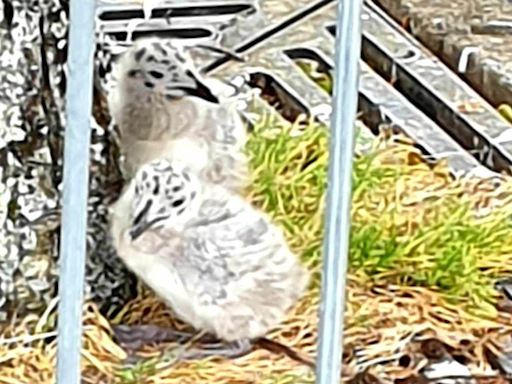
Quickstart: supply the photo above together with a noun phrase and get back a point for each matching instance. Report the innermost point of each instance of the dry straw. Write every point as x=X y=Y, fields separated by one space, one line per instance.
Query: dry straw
x=425 y=250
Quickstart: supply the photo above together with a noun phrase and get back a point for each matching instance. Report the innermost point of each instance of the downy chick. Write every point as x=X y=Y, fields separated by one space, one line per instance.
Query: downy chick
x=219 y=263
x=164 y=110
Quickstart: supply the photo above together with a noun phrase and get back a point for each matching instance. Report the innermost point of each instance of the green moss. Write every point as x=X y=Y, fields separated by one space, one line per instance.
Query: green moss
x=452 y=250
x=137 y=374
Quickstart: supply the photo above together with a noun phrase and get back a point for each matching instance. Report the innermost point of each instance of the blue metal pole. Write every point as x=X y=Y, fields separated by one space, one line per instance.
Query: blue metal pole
x=339 y=191
x=75 y=189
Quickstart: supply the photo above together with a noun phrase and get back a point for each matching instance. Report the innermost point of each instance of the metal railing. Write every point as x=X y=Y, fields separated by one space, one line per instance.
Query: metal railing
x=76 y=178
x=339 y=191
x=75 y=190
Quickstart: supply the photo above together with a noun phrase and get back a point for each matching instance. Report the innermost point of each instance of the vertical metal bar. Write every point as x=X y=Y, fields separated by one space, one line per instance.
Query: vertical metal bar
x=75 y=189
x=339 y=191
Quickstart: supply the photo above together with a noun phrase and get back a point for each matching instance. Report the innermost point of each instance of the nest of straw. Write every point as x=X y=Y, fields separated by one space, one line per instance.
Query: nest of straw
x=425 y=251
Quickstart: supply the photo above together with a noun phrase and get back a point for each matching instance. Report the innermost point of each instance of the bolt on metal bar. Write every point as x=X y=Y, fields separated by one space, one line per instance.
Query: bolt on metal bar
x=339 y=191
x=75 y=190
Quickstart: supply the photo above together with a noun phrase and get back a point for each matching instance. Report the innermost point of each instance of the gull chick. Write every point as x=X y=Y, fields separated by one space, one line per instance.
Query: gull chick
x=163 y=109
x=218 y=262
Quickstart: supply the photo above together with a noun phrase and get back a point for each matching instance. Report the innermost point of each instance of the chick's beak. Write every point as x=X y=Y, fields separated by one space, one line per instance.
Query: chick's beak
x=138 y=229
x=201 y=90
x=204 y=93
x=140 y=223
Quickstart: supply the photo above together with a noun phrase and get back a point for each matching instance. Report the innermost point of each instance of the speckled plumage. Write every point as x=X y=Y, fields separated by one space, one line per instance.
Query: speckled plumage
x=217 y=261
x=164 y=110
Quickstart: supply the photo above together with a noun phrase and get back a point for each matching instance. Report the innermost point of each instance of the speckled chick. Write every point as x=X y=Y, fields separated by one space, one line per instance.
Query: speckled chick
x=164 y=110
x=220 y=263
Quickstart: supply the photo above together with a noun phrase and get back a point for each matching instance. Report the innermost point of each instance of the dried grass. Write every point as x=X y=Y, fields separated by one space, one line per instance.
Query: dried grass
x=398 y=287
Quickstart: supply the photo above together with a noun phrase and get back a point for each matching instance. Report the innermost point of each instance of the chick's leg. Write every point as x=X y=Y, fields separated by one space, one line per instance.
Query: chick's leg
x=133 y=337
x=226 y=350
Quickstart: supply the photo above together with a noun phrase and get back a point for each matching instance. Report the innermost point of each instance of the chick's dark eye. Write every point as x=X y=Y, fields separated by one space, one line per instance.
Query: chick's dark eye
x=177 y=203
x=156 y=74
